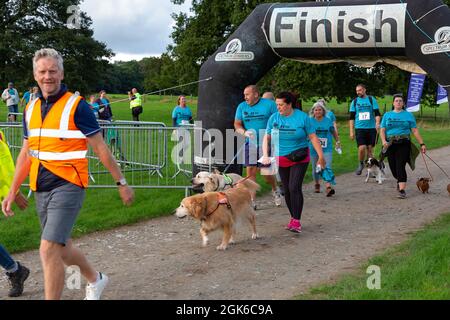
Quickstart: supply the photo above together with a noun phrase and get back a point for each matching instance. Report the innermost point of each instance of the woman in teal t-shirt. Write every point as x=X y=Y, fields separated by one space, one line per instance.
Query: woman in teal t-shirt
x=324 y=128
x=181 y=114
x=289 y=131
x=396 y=129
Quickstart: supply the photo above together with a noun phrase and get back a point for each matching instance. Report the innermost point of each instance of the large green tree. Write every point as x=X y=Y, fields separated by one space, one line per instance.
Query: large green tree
x=28 y=25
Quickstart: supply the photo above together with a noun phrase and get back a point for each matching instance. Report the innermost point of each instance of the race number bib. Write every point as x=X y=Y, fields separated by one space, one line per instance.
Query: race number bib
x=364 y=116
x=323 y=142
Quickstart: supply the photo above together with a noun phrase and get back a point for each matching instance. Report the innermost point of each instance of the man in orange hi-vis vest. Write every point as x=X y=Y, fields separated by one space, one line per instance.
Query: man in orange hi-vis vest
x=58 y=128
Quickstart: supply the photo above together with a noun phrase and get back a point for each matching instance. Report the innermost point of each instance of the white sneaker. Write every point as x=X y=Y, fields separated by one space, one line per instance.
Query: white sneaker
x=277 y=198
x=94 y=291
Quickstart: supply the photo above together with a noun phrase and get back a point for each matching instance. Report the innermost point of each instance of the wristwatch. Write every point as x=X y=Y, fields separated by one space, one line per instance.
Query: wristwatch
x=121 y=182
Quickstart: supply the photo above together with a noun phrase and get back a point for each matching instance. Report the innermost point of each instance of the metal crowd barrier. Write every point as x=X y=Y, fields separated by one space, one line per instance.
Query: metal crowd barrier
x=18 y=116
x=151 y=155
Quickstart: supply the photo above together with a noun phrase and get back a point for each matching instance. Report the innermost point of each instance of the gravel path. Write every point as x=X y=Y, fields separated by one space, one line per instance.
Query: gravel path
x=163 y=258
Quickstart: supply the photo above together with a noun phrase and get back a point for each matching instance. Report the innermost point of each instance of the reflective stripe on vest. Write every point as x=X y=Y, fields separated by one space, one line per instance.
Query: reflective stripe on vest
x=29 y=112
x=55 y=142
x=58 y=156
x=53 y=133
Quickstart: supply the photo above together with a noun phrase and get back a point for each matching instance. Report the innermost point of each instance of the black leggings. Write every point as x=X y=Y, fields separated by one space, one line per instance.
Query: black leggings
x=292 y=179
x=398 y=156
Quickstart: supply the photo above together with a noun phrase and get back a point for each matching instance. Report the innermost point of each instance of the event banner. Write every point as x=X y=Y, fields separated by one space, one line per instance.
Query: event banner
x=415 y=92
x=441 y=96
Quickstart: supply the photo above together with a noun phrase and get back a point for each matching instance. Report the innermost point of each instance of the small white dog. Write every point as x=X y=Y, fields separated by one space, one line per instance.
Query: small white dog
x=375 y=169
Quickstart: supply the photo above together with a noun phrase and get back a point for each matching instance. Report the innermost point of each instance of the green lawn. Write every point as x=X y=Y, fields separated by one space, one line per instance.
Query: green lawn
x=416 y=269
x=159 y=108
x=103 y=210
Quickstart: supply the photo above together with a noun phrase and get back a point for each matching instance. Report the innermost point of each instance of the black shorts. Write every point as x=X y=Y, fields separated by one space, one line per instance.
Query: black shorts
x=366 y=137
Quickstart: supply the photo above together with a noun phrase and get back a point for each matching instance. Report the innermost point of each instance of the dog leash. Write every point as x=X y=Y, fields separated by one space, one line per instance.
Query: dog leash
x=426 y=165
x=437 y=165
x=235 y=157
x=239 y=182
x=377 y=138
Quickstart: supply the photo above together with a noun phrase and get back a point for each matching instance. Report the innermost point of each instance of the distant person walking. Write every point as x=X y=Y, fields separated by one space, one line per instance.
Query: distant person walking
x=396 y=129
x=11 y=97
x=26 y=97
x=251 y=122
x=364 y=124
x=57 y=165
x=268 y=95
x=94 y=105
x=324 y=130
x=330 y=115
x=135 y=103
x=104 y=110
x=181 y=114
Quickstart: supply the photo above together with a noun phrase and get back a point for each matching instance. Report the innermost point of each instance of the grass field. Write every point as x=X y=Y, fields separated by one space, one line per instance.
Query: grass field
x=103 y=210
x=159 y=108
x=416 y=269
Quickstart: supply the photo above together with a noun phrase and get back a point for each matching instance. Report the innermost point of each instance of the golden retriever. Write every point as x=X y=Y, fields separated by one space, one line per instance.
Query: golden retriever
x=221 y=210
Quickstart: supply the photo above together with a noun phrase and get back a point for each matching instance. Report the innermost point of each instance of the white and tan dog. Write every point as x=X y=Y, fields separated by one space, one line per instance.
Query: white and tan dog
x=221 y=210
x=211 y=182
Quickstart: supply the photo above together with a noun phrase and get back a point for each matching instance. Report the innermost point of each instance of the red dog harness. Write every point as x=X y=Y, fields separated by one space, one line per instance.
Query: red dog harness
x=222 y=199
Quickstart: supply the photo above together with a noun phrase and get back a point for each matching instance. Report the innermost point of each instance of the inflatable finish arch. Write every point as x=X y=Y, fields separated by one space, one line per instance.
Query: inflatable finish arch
x=412 y=34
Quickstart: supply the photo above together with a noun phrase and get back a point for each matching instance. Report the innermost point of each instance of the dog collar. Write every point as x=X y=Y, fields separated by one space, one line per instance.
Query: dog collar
x=228 y=180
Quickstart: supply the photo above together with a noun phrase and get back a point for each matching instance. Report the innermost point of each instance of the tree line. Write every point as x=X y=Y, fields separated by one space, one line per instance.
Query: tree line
x=197 y=36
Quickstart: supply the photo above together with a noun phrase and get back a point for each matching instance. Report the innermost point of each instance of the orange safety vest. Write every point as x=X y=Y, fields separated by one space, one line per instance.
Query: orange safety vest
x=56 y=142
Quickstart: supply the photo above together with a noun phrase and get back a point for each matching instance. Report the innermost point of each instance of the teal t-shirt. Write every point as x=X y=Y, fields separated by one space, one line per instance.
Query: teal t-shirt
x=330 y=115
x=255 y=117
x=292 y=131
x=323 y=130
x=398 y=123
x=181 y=114
x=95 y=107
x=26 y=97
x=365 y=117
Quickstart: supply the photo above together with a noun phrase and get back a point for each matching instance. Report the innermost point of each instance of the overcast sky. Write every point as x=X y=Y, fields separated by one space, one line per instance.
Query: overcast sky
x=133 y=29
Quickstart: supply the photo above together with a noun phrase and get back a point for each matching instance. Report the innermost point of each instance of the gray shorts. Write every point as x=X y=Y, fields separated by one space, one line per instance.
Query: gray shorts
x=58 y=210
